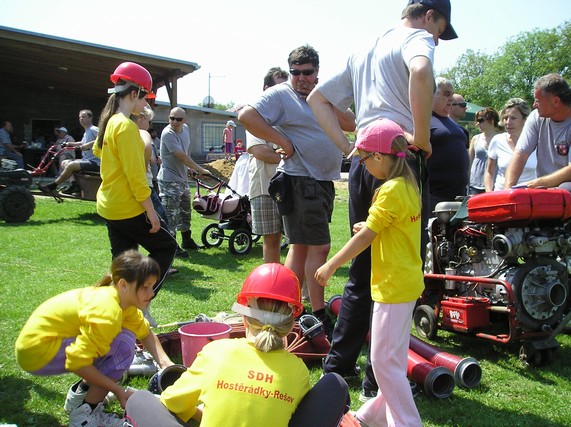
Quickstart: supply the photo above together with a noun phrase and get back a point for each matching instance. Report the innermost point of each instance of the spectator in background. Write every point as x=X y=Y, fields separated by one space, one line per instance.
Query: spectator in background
x=239 y=149
x=547 y=131
x=487 y=121
x=63 y=138
x=89 y=162
x=458 y=113
x=448 y=167
x=210 y=156
x=7 y=149
x=173 y=177
x=228 y=138
x=263 y=162
x=513 y=116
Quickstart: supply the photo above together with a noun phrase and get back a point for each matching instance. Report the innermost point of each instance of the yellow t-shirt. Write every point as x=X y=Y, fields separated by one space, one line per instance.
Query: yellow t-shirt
x=123 y=171
x=396 y=266
x=91 y=314
x=239 y=386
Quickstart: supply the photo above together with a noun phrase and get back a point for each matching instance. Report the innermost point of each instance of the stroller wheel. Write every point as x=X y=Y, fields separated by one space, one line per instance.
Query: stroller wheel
x=240 y=242
x=212 y=236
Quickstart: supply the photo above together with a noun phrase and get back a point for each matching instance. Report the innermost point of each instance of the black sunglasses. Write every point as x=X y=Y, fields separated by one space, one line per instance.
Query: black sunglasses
x=300 y=72
x=481 y=120
x=461 y=104
x=562 y=148
x=178 y=119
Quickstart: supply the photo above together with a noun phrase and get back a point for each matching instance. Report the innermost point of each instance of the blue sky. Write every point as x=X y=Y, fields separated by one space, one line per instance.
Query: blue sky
x=236 y=42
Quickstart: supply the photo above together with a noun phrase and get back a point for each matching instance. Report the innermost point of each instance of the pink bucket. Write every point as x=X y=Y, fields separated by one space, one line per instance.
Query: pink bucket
x=194 y=336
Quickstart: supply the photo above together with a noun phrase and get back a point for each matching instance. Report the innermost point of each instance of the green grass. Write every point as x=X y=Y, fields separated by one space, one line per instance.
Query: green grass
x=64 y=246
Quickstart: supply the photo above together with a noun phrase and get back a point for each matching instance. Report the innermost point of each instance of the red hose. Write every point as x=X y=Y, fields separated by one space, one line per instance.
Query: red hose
x=437 y=381
x=467 y=371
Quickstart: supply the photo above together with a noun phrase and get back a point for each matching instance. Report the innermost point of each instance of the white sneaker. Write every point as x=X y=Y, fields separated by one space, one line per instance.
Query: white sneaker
x=84 y=416
x=74 y=397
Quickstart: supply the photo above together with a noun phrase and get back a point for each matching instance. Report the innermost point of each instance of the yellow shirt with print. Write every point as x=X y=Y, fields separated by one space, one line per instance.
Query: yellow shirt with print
x=396 y=266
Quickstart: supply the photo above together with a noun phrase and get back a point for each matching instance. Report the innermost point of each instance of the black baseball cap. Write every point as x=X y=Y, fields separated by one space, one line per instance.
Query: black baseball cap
x=443 y=7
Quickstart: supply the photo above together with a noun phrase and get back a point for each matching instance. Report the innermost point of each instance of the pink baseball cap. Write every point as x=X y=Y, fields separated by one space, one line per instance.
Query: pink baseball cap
x=378 y=137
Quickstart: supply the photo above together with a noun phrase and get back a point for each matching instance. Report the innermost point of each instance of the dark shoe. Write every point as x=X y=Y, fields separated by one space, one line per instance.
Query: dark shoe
x=350 y=375
x=49 y=188
x=327 y=322
x=73 y=188
x=181 y=253
x=191 y=244
x=414 y=388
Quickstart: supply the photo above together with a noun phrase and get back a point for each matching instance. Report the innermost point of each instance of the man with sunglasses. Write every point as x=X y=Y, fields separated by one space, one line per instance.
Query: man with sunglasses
x=173 y=177
x=548 y=131
x=391 y=79
x=309 y=160
x=458 y=112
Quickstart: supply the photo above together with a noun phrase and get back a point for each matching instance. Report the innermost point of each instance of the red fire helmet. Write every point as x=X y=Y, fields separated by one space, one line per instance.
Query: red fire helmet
x=273 y=281
x=132 y=72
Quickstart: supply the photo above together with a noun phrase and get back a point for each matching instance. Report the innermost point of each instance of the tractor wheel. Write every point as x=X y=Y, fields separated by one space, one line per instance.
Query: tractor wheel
x=540 y=292
x=240 y=242
x=425 y=322
x=17 y=204
x=212 y=236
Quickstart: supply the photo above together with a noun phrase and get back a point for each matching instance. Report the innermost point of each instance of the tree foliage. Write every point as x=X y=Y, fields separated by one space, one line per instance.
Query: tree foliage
x=511 y=71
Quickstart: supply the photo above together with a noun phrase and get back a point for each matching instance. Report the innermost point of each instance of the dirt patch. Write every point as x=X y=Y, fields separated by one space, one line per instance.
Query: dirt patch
x=221 y=168
x=224 y=168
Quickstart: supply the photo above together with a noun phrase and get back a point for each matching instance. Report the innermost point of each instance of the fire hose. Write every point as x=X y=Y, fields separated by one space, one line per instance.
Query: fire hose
x=437 y=381
x=467 y=371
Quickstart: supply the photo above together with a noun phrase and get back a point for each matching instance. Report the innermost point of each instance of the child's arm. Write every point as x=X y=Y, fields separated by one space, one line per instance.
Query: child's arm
x=153 y=346
x=358 y=243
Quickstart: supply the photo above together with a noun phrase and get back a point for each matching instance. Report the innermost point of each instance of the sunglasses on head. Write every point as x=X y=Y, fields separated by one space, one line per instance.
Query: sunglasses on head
x=562 y=148
x=295 y=72
x=178 y=119
x=481 y=120
x=461 y=104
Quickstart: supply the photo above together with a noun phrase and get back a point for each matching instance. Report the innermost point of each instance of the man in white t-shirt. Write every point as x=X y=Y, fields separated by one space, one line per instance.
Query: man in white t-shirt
x=392 y=79
x=547 y=130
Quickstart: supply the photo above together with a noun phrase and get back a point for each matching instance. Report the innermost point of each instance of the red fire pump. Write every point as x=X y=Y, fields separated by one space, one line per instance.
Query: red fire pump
x=497 y=268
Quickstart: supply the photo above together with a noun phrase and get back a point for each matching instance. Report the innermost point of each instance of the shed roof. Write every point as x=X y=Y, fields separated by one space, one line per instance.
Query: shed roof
x=46 y=63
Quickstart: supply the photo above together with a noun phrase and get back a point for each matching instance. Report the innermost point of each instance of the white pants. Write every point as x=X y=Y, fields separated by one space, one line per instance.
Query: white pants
x=390 y=336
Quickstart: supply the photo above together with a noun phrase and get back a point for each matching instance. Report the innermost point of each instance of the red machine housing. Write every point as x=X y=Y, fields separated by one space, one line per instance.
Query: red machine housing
x=522 y=204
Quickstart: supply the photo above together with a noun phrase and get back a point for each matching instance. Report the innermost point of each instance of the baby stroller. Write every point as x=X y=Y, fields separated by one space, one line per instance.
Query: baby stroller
x=232 y=211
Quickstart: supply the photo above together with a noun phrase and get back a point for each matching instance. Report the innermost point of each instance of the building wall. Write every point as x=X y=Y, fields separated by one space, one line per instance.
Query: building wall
x=28 y=110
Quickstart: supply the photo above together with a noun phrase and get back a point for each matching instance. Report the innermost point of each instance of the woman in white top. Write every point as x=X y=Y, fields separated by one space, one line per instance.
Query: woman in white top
x=502 y=146
x=487 y=121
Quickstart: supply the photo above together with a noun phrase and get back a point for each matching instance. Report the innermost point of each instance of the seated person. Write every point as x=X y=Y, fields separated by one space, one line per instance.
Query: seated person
x=7 y=149
x=63 y=139
x=239 y=148
x=88 y=163
x=242 y=381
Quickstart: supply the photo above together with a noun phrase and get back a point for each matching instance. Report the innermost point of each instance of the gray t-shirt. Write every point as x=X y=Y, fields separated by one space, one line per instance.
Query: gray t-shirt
x=172 y=169
x=315 y=155
x=377 y=79
x=90 y=135
x=543 y=134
